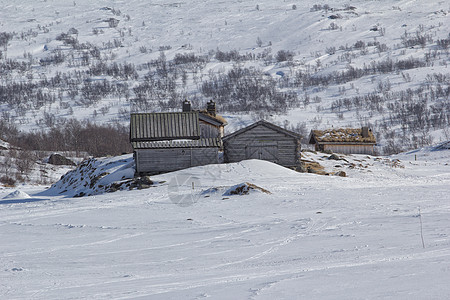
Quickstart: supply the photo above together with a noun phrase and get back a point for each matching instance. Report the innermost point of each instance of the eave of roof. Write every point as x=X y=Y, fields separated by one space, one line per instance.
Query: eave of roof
x=200 y=143
x=266 y=124
x=346 y=143
x=216 y=120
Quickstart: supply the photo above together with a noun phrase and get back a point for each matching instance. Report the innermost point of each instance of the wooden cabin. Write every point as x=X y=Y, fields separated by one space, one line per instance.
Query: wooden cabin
x=263 y=140
x=344 y=140
x=165 y=142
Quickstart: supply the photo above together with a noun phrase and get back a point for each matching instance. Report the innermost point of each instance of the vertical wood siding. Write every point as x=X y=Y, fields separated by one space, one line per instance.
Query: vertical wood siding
x=263 y=143
x=209 y=131
x=350 y=149
x=154 y=161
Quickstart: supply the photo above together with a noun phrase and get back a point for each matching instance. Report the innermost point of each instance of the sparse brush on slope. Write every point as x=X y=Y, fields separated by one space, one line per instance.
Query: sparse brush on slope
x=351 y=67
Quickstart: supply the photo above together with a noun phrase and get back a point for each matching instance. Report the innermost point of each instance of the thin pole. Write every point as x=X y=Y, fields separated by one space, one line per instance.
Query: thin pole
x=421 y=229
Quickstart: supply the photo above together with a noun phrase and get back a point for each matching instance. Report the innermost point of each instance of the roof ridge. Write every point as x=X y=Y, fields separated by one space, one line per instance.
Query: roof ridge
x=264 y=123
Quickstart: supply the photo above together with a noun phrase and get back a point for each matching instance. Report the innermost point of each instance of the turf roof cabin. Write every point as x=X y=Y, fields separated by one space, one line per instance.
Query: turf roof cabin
x=263 y=140
x=165 y=142
x=344 y=140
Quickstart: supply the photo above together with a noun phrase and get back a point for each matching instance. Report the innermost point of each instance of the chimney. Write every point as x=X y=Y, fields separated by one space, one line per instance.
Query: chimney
x=211 y=108
x=186 y=106
x=365 y=132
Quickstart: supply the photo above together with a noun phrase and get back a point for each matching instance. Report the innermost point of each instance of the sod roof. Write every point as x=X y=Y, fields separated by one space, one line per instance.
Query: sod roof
x=341 y=135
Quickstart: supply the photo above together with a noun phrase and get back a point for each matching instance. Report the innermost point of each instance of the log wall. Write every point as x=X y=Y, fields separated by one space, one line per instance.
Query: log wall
x=264 y=143
x=154 y=161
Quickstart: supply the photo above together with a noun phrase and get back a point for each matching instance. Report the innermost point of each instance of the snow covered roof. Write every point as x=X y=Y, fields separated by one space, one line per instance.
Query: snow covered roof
x=342 y=135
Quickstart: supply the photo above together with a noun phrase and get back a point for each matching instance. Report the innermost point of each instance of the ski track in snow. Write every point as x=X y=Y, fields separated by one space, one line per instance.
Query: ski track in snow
x=352 y=233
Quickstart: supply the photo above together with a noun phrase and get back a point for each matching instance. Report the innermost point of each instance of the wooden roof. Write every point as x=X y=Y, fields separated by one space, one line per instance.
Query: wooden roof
x=164 y=126
x=216 y=120
x=170 y=126
x=268 y=125
x=200 y=143
x=341 y=136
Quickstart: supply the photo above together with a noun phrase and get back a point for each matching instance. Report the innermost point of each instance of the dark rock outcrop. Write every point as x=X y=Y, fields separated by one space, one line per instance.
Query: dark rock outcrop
x=59 y=160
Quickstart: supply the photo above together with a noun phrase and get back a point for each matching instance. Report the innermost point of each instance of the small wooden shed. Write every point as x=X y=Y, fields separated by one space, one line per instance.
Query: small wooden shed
x=165 y=142
x=263 y=140
x=344 y=140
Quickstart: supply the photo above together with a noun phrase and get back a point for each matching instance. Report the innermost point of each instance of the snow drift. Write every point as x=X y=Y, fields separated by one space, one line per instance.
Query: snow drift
x=96 y=176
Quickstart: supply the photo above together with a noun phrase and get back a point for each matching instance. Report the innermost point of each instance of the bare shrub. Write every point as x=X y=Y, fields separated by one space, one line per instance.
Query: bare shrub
x=7 y=181
x=284 y=55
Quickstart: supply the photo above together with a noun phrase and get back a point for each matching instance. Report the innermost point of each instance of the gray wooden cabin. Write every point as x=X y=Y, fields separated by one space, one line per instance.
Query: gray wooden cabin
x=165 y=142
x=344 y=140
x=266 y=141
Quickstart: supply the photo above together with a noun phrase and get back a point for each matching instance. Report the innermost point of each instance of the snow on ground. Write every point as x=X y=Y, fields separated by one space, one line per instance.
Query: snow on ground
x=312 y=237
x=17 y=195
x=94 y=176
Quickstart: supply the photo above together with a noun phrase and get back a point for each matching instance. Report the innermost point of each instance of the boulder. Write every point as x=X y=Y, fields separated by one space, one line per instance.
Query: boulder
x=59 y=160
x=340 y=173
x=244 y=189
x=334 y=157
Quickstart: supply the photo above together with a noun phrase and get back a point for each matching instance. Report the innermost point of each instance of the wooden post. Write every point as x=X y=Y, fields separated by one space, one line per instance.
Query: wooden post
x=421 y=229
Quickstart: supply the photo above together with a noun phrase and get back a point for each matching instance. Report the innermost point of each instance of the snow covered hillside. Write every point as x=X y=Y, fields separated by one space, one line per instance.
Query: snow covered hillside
x=370 y=227
x=295 y=235
x=304 y=65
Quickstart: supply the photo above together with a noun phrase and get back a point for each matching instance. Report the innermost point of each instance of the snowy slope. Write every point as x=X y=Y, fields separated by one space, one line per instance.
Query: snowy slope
x=295 y=235
x=321 y=37
x=94 y=176
x=312 y=237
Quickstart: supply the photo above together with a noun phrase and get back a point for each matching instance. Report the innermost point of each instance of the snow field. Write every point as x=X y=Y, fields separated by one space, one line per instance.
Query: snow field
x=320 y=237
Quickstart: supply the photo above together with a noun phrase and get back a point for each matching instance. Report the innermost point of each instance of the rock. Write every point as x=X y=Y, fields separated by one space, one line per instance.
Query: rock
x=340 y=173
x=59 y=160
x=143 y=182
x=302 y=168
x=244 y=189
x=334 y=157
x=314 y=167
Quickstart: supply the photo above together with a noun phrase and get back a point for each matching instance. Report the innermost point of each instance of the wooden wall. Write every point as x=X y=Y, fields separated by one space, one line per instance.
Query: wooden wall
x=264 y=143
x=154 y=161
x=209 y=131
x=350 y=149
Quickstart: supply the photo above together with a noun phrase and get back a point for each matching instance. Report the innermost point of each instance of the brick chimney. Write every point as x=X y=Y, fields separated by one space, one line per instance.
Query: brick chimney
x=187 y=106
x=211 y=108
x=365 y=132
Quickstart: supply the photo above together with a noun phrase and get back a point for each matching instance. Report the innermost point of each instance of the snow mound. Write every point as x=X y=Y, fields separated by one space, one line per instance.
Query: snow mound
x=17 y=195
x=244 y=189
x=97 y=176
x=229 y=174
x=437 y=153
x=443 y=146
